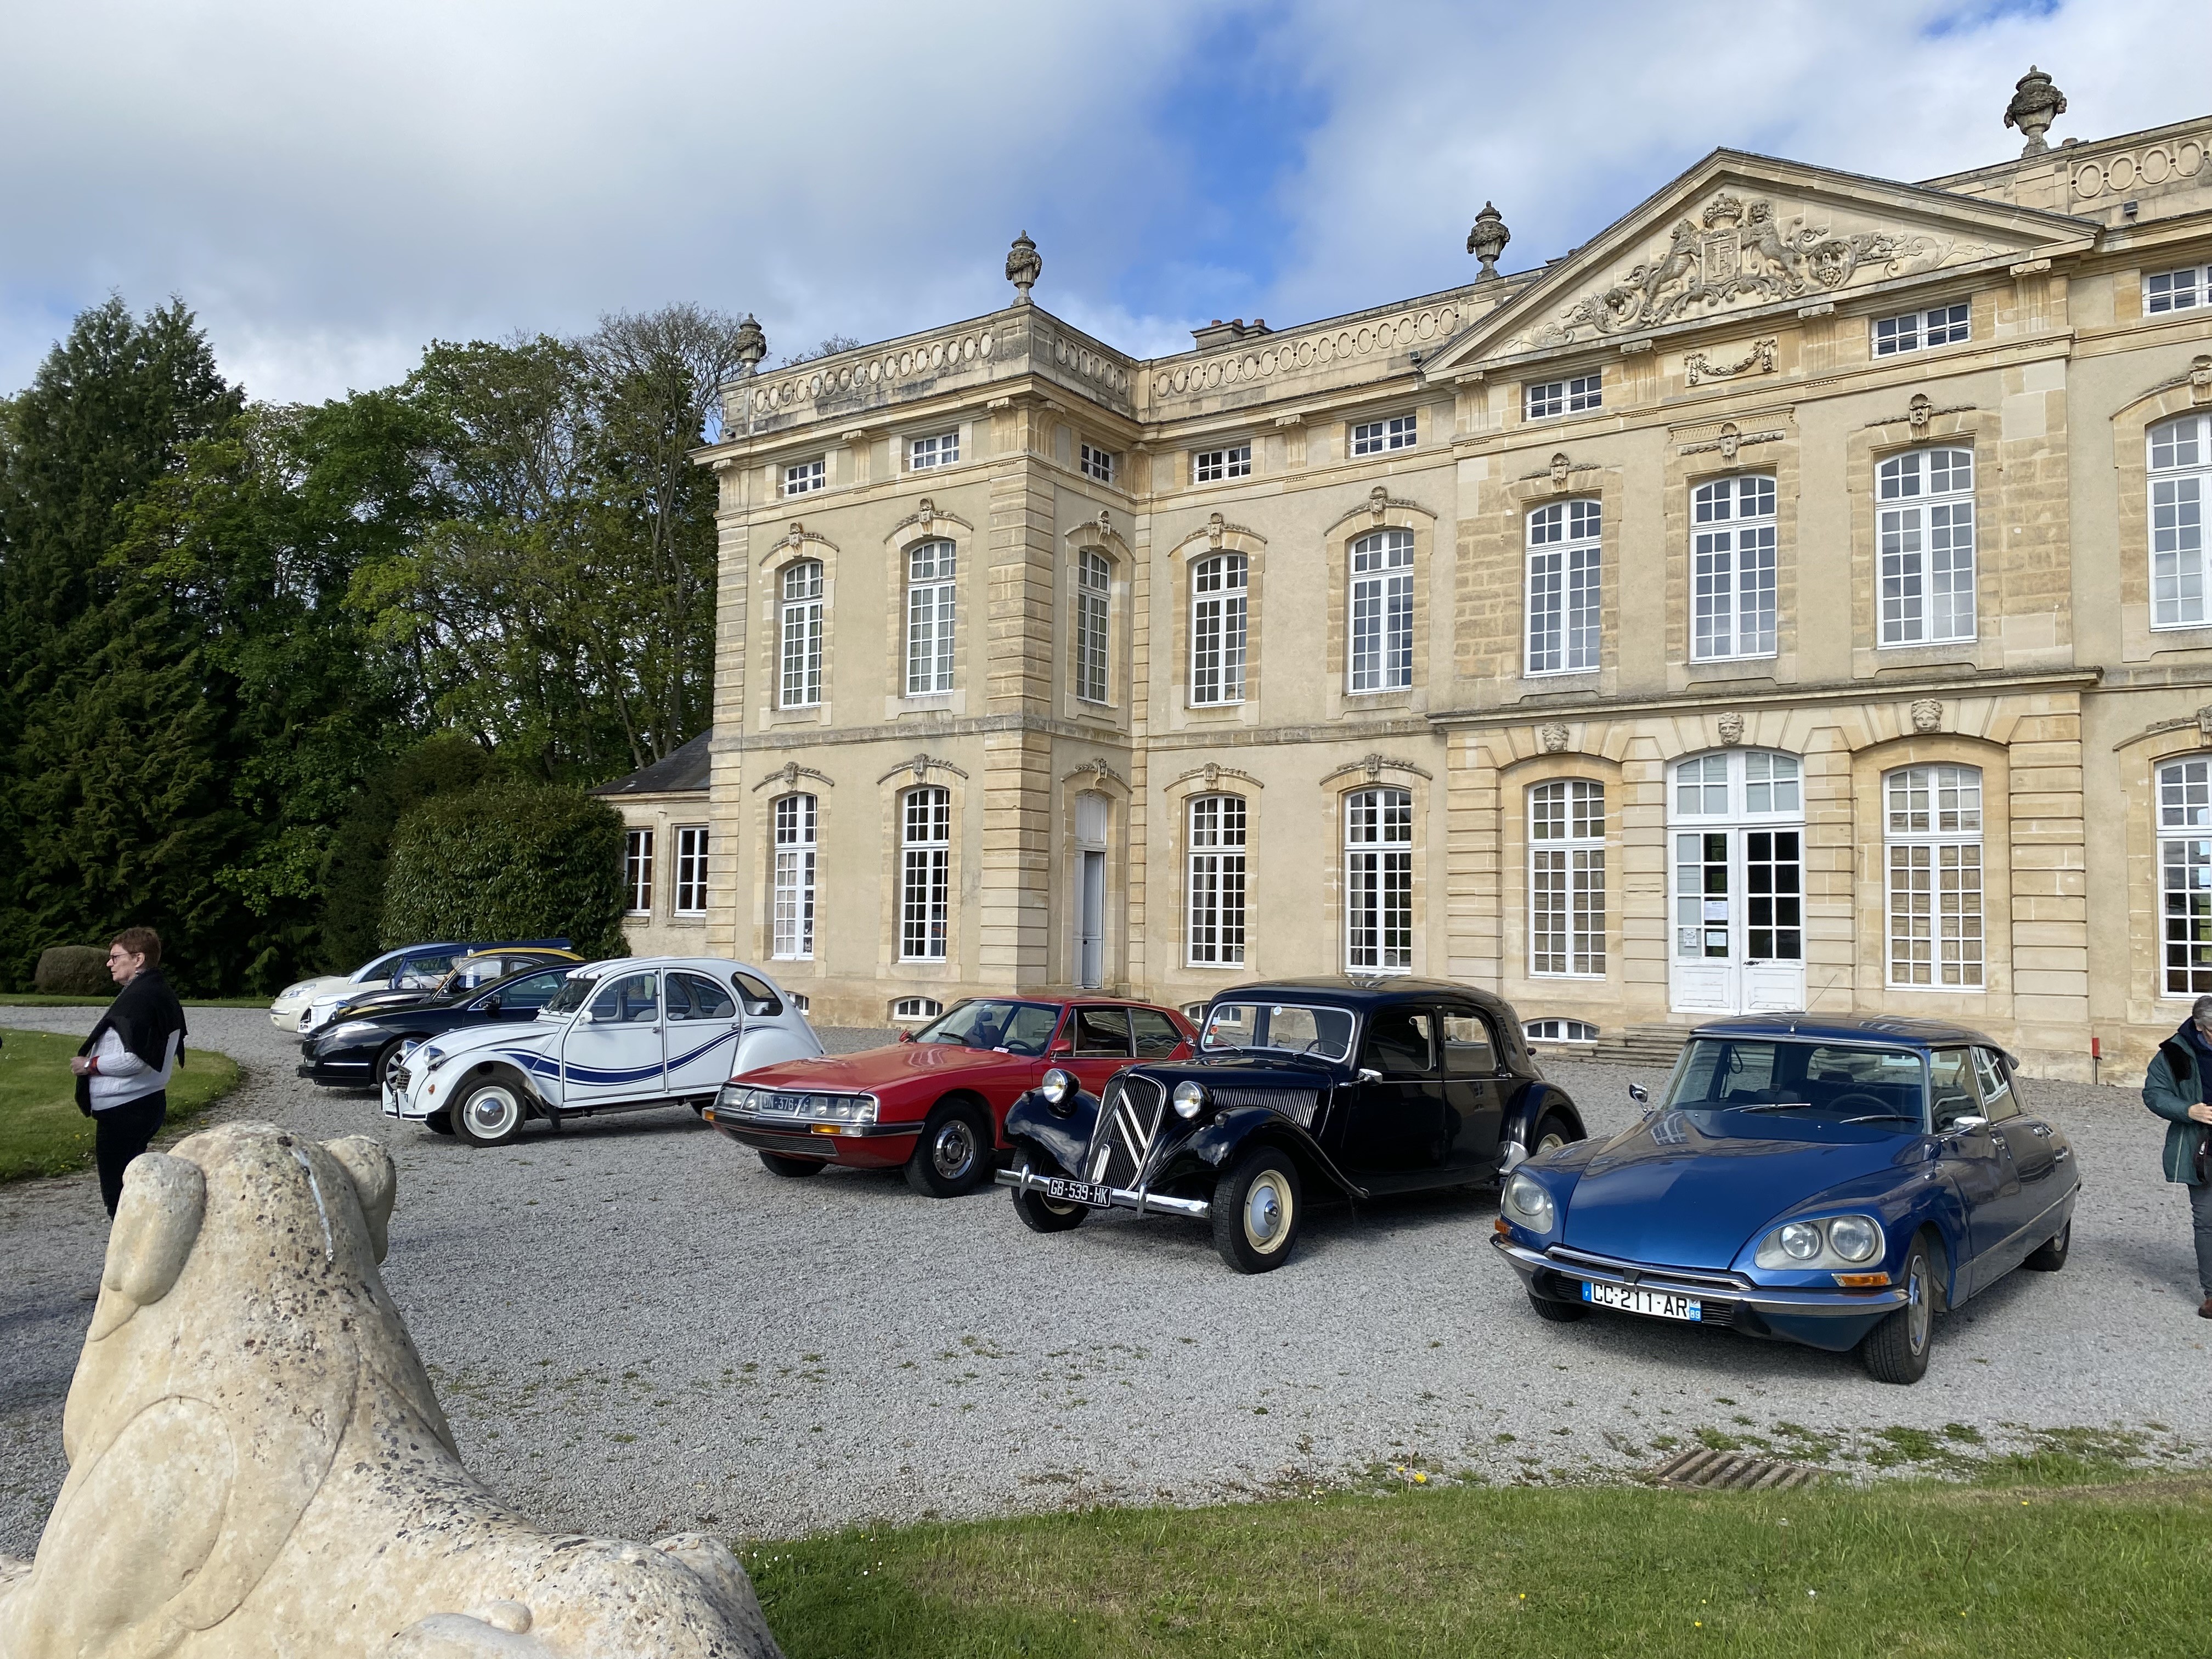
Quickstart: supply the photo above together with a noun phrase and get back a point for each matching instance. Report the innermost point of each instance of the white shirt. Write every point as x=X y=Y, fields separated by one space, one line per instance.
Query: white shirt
x=123 y=1077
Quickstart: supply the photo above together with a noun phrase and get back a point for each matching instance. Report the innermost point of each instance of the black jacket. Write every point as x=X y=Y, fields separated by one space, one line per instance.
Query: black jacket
x=144 y=1013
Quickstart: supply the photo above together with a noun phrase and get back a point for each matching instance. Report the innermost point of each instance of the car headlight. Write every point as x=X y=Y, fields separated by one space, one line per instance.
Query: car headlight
x=731 y=1098
x=1189 y=1096
x=433 y=1057
x=1843 y=1241
x=1527 y=1202
x=1057 y=1086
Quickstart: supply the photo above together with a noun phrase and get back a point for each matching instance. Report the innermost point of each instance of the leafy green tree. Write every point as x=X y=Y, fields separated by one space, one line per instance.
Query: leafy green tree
x=509 y=862
x=352 y=876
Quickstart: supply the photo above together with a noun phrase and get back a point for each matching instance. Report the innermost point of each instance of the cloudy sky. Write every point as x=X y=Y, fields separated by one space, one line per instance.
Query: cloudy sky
x=332 y=186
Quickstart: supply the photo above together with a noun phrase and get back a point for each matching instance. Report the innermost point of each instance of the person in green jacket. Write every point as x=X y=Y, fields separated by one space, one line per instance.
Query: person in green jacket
x=2179 y=1087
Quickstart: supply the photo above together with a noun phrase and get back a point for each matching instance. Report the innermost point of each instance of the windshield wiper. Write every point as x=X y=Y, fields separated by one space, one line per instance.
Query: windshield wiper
x=1774 y=1105
x=1885 y=1117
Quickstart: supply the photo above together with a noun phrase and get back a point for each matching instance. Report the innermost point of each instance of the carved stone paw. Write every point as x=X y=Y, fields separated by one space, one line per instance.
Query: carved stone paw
x=500 y=1630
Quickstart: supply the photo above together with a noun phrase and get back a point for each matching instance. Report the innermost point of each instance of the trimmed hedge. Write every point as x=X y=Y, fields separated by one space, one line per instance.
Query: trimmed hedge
x=73 y=970
x=509 y=862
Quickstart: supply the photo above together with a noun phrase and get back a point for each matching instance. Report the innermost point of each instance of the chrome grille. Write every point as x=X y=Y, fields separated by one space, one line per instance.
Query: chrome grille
x=1645 y=1273
x=1299 y=1105
x=1128 y=1119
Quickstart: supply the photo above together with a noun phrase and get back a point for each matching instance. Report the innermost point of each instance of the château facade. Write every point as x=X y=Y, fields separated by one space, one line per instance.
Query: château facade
x=1795 y=596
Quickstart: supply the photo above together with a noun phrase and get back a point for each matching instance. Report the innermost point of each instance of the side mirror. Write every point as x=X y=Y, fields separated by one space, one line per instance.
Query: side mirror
x=1064 y=1046
x=1639 y=1094
x=906 y=1037
x=492 y=1005
x=1369 y=1074
x=1969 y=1122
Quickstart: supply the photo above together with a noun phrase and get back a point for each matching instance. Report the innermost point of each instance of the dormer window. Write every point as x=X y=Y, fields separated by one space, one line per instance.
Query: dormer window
x=1916 y=331
x=1545 y=399
x=1097 y=463
x=803 y=478
x=926 y=453
x=1213 y=465
x=1373 y=437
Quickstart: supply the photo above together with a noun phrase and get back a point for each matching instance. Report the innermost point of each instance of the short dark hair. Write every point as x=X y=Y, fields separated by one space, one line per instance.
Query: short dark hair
x=140 y=942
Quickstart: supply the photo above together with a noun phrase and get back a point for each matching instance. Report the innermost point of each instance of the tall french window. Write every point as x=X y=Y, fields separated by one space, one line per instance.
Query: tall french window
x=1094 y=592
x=2180 y=467
x=930 y=567
x=692 y=871
x=1382 y=611
x=1217 y=882
x=2185 y=877
x=1732 y=567
x=1378 y=881
x=793 y=939
x=1566 y=878
x=1217 y=628
x=924 y=873
x=1564 y=540
x=801 y=629
x=637 y=872
x=1925 y=498
x=1932 y=835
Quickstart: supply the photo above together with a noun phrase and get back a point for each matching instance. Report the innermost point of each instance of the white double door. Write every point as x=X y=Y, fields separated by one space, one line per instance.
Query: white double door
x=1738 y=910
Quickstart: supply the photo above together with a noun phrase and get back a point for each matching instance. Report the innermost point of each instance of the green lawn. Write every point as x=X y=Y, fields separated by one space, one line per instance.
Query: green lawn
x=1918 y=1567
x=41 y=1131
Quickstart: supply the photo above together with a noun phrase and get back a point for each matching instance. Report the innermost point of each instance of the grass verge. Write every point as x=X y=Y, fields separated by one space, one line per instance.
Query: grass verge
x=1918 y=1567
x=42 y=1000
x=41 y=1131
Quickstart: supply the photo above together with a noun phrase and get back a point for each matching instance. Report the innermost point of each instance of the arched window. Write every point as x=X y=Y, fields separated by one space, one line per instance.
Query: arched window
x=1378 y=881
x=1381 y=637
x=1732 y=568
x=1926 y=499
x=801 y=633
x=912 y=1011
x=2185 y=877
x=1217 y=628
x=1564 y=587
x=1560 y=1031
x=1217 y=882
x=930 y=567
x=1566 y=878
x=1932 y=836
x=2180 y=466
x=1094 y=592
x=924 y=873
x=793 y=912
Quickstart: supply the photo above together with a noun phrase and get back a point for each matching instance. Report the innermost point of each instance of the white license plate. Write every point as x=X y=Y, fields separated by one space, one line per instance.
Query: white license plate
x=1078 y=1192
x=1658 y=1304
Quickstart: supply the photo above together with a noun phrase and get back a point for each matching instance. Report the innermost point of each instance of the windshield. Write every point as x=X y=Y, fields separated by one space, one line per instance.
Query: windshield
x=1289 y=1027
x=1799 y=1080
x=1019 y=1028
x=379 y=968
x=570 y=997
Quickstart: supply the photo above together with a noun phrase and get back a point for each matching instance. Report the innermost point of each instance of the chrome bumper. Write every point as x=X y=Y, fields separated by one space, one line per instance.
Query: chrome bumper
x=723 y=1118
x=1836 y=1304
x=1119 y=1198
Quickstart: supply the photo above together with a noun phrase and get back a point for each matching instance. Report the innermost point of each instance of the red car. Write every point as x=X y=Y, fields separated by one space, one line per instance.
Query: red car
x=936 y=1100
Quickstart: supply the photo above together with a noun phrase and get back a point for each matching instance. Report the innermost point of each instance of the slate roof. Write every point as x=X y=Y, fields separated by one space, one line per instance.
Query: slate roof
x=682 y=771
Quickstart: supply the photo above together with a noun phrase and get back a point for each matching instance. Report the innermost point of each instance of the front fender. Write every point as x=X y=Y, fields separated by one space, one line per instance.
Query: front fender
x=1063 y=1137
x=1221 y=1138
x=1525 y=1110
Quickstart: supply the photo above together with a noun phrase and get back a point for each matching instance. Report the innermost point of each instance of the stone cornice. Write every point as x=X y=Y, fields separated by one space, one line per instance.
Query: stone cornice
x=1735 y=695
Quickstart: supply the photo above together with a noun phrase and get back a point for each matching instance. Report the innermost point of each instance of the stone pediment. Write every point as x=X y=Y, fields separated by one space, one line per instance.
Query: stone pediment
x=1738 y=232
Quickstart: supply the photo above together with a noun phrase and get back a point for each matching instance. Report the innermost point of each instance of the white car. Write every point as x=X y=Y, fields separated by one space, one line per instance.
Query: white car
x=620 y=1036
x=290 y=1009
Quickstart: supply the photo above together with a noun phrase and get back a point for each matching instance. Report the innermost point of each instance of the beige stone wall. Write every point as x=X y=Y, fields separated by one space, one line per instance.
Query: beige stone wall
x=659 y=931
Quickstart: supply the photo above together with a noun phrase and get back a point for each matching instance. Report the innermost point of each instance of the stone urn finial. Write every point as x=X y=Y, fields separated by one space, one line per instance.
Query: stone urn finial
x=2035 y=105
x=752 y=345
x=1487 y=241
x=1022 y=267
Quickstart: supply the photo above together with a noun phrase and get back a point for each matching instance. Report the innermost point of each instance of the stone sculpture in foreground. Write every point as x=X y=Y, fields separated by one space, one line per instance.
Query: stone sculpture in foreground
x=258 y=1464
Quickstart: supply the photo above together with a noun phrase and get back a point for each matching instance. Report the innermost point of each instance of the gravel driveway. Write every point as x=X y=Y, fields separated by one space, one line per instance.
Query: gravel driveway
x=635 y=1328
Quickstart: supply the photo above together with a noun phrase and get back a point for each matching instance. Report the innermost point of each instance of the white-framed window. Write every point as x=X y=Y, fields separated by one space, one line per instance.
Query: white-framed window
x=1566 y=878
x=1559 y=1031
x=2178 y=290
x=1217 y=628
x=1097 y=463
x=925 y=454
x=1732 y=557
x=924 y=873
x=2185 y=877
x=1925 y=503
x=691 y=870
x=1378 y=881
x=800 y=626
x=803 y=477
x=1374 y=437
x=637 y=872
x=1564 y=543
x=1542 y=400
x=1094 y=597
x=1214 y=465
x=932 y=568
x=913 y=1010
x=799 y=1000
x=2180 y=477
x=1382 y=633
x=1916 y=331
x=1217 y=882
x=1932 y=845
x=794 y=913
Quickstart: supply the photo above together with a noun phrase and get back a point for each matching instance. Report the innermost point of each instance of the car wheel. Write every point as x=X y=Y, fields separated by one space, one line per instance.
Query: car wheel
x=2051 y=1255
x=953 y=1155
x=792 y=1169
x=1560 y=1312
x=1896 y=1350
x=439 y=1123
x=1257 y=1210
x=490 y=1114
x=1040 y=1215
x=1553 y=1130
x=382 y=1063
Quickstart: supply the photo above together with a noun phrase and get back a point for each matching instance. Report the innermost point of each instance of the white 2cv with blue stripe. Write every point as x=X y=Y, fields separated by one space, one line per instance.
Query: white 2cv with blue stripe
x=620 y=1036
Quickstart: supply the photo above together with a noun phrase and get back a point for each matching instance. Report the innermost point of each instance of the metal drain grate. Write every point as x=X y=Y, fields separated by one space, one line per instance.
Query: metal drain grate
x=1708 y=1470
